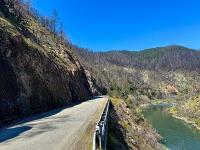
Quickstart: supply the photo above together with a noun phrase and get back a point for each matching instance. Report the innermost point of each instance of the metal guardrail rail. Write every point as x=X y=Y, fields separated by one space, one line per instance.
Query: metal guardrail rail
x=100 y=135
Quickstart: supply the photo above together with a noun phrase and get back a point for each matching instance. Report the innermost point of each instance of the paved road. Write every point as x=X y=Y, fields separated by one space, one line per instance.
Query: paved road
x=55 y=130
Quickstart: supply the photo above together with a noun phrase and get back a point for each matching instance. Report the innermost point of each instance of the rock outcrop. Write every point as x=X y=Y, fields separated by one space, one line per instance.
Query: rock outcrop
x=36 y=72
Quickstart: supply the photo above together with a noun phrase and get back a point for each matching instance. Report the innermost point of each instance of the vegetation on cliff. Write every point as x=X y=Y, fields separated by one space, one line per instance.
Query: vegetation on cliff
x=129 y=130
x=38 y=69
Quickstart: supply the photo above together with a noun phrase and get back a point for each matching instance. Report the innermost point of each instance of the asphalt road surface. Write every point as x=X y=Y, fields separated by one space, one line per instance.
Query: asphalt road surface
x=54 y=130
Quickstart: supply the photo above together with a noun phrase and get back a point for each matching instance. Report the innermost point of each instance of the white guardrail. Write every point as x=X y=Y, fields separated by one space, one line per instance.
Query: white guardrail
x=100 y=135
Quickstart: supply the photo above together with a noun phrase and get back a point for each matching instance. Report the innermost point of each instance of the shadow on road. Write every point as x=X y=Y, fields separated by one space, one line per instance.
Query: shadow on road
x=44 y=114
x=9 y=133
x=16 y=128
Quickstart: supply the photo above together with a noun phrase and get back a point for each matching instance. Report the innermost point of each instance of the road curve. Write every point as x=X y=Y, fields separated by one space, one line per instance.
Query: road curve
x=55 y=130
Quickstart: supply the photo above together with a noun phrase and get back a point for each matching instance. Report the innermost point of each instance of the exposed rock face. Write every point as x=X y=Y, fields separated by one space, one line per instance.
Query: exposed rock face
x=36 y=76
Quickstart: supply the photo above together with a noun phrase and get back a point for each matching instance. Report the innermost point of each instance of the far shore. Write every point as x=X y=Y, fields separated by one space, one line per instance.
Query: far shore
x=186 y=120
x=144 y=106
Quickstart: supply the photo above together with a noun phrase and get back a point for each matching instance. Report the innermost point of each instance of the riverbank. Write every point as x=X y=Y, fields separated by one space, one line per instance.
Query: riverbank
x=188 y=111
x=168 y=102
x=186 y=120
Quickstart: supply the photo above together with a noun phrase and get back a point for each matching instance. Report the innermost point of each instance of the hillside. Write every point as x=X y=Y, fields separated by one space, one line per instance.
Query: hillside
x=162 y=58
x=38 y=71
x=158 y=72
x=129 y=130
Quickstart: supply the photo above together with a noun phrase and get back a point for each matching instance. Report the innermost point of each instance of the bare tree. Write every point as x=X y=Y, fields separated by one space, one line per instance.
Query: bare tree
x=61 y=32
x=54 y=21
x=28 y=4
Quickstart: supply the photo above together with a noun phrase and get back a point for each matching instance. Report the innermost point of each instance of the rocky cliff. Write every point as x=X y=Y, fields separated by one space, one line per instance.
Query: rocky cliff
x=37 y=73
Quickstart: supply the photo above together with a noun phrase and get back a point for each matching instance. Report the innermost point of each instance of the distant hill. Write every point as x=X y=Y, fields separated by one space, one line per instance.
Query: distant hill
x=157 y=72
x=169 y=57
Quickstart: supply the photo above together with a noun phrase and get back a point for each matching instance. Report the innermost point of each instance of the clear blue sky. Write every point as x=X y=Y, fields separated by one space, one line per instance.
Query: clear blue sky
x=127 y=24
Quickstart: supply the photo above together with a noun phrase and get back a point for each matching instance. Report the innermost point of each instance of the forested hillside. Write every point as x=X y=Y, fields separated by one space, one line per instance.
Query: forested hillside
x=163 y=58
x=158 y=72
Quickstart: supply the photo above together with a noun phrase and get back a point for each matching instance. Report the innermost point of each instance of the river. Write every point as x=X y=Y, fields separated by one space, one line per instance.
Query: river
x=177 y=135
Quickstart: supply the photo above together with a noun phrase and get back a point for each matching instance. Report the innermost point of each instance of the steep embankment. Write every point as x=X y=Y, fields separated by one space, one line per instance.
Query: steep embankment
x=128 y=129
x=38 y=72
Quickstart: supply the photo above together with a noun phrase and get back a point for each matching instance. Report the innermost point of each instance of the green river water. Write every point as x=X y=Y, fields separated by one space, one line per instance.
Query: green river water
x=177 y=134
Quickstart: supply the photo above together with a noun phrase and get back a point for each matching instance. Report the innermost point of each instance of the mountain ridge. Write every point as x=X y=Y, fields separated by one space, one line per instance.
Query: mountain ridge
x=150 y=68
x=153 y=56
